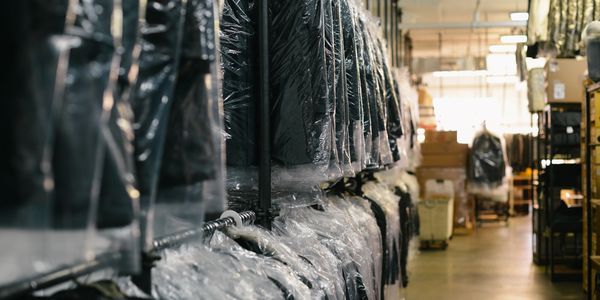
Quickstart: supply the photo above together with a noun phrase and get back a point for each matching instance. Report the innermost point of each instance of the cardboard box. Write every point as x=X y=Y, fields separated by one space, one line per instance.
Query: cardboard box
x=564 y=80
x=440 y=136
x=444 y=148
x=445 y=160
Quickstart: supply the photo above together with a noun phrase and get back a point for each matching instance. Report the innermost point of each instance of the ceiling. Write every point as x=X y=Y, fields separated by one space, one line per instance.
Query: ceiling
x=438 y=15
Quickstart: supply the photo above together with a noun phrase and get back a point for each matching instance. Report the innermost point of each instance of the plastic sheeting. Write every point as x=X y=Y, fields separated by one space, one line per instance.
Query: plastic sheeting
x=69 y=186
x=333 y=251
x=488 y=166
x=178 y=115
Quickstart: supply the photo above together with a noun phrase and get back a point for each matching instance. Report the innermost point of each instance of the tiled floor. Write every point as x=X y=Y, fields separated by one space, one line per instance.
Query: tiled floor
x=493 y=263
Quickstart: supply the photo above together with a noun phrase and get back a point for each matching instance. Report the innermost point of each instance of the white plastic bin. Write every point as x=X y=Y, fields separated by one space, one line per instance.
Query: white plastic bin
x=436 y=211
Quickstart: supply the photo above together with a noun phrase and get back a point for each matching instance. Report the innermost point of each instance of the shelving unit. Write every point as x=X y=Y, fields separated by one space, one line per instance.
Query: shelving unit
x=557 y=222
x=590 y=185
x=521 y=194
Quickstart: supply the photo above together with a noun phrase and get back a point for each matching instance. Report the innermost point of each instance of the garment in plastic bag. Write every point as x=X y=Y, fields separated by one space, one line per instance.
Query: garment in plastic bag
x=487 y=171
x=340 y=236
x=159 y=61
x=353 y=85
x=192 y=162
x=380 y=194
x=78 y=152
x=195 y=272
x=239 y=65
x=265 y=243
x=118 y=195
x=342 y=114
x=487 y=159
x=190 y=151
x=301 y=85
x=69 y=55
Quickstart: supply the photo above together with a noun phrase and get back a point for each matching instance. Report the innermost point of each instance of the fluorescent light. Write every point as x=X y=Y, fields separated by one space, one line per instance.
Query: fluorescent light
x=501 y=79
x=503 y=48
x=464 y=73
x=513 y=39
x=519 y=16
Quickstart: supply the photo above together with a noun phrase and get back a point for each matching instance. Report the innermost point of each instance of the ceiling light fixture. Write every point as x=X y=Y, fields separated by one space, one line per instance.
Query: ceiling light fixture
x=519 y=16
x=513 y=39
x=503 y=48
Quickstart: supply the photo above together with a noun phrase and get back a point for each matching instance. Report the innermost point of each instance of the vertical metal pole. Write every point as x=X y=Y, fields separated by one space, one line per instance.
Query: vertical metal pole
x=588 y=195
x=264 y=172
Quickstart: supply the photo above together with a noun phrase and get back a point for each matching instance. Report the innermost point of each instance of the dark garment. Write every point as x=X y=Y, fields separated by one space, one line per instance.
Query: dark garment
x=190 y=153
x=239 y=65
x=406 y=208
x=300 y=83
x=118 y=179
x=342 y=115
x=28 y=78
x=487 y=165
x=79 y=153
x=353 y=76
x=159 y=61
x=382 y=224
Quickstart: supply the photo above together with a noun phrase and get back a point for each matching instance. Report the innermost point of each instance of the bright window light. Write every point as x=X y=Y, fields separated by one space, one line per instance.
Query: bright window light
x=501 y=64
x=478 y=73
x=513 y=39
x=501 y=79
x=503 y=48
x=519 y=16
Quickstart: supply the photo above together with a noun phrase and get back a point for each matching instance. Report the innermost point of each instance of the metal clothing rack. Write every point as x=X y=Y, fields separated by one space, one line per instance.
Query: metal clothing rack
x=60 y=275
x=149 y=258
x=263 y=211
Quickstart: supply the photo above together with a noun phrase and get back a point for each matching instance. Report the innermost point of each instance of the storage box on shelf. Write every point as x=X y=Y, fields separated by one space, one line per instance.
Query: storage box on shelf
x=564 y=77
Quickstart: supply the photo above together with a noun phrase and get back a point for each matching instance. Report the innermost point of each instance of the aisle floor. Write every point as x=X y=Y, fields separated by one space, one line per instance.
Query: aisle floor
x=494 y=262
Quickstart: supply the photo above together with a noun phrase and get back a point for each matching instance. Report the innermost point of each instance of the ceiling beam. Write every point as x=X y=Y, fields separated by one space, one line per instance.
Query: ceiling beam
x=466 y=25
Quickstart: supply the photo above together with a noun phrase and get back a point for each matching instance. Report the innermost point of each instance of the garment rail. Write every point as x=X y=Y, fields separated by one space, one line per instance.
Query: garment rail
x=144 y=279
x=58 y=276
x=178 y=238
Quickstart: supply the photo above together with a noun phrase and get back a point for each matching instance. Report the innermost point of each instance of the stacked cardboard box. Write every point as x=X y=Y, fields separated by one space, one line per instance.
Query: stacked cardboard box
x=564 y=78
x=445 y=158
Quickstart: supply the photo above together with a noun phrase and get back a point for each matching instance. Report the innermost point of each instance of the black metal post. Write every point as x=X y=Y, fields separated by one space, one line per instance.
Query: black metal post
x=588 y=196
x=264 y=172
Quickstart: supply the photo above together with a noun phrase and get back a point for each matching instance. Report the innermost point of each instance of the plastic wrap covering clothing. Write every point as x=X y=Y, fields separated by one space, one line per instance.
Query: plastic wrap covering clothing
x=265 y=243
x=190 y=147
x=410 y=148
x=393 y=109
x=342 y=108
x=344 y=238
x=353 y=85
x=195 y=272
x=375 y=85
x=67 y=157
x=488 y=166
x=78 y=152
x=239 y=64
x=301 y=84
x=159 y=61
x=388 y=202
x=406 y=188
